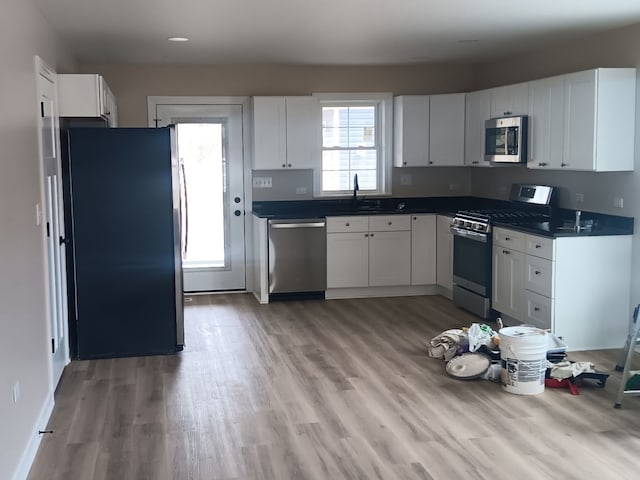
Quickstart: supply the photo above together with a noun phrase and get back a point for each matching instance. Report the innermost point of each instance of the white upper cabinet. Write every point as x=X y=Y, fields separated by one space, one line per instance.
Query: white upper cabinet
x=510 y=100
x=599 y=119
x=286 y=133
x=429 y=130
x=583 y=121
x=478 y=109
x=86 y=96
x=411 y=131
x=446 y=130
x=546 y=123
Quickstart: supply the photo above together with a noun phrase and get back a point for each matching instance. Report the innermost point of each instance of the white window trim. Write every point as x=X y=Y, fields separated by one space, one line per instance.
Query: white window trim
x=384 y=101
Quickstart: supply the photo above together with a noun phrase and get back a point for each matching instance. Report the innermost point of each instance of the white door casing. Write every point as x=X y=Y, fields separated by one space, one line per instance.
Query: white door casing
x=233 y=275
x=53 y=219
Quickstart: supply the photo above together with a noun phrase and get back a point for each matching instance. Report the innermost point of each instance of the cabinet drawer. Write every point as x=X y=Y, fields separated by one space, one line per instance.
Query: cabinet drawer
x=509 y=238
x=389 y=223
x=539 y=310
x=539 y=275
x=347 y=224
x=539 y=246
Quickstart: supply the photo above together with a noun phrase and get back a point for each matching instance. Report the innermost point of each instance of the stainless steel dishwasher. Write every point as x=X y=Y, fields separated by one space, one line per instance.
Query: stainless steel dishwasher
x=297 y=257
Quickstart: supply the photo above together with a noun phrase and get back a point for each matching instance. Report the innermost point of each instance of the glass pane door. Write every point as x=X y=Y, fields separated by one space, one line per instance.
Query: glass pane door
x=203 y=186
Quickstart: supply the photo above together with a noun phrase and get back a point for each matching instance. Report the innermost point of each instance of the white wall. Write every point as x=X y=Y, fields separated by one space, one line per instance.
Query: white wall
x=24 y=355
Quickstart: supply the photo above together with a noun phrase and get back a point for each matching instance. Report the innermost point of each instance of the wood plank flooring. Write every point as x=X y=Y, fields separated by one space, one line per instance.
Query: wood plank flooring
x=335 y=389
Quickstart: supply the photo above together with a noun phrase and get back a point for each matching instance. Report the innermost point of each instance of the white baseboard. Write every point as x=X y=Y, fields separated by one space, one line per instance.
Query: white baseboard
x=368 y=292
x=29 y=453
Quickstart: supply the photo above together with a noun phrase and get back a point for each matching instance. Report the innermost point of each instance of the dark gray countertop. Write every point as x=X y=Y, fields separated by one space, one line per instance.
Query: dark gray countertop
x=561 y=222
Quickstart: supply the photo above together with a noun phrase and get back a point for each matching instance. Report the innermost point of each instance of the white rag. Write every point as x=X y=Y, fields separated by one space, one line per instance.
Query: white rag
x=568 y=369
x=446 y=344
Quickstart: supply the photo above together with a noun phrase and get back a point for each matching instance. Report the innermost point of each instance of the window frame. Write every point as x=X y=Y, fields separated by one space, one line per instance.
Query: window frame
x=384 y=132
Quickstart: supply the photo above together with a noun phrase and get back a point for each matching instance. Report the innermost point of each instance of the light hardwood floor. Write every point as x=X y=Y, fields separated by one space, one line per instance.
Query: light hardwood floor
x=339 y=389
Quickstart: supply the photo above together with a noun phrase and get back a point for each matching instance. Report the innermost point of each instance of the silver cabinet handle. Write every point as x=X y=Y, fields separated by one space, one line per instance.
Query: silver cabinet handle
x=389 y=223
x=347 y=224
x=371 y=234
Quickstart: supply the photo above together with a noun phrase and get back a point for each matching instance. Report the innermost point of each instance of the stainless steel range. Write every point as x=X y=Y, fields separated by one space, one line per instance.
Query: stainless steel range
x=472 y=243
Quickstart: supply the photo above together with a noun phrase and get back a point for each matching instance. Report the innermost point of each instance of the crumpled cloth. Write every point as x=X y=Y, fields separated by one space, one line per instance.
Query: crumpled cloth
x=446 y=344
x=566 y=369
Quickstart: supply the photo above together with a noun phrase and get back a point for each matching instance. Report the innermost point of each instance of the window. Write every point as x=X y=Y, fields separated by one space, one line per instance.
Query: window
x=356 y=134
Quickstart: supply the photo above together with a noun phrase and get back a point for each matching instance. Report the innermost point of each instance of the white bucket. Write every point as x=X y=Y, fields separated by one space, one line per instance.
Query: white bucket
x=523 y=351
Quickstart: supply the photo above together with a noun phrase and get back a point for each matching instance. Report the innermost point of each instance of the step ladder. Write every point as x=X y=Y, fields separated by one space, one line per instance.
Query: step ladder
x=624 y=364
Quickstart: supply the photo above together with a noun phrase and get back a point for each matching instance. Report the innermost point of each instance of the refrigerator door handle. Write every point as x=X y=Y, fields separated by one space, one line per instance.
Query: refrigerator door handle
x=184 y=211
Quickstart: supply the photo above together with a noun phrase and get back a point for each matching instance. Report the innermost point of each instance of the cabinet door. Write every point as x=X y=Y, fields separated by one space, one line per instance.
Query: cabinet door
x=423 y=249
x=269 y=133
x=508 y=282
x=347 y=260
x=444 y=252
x=546 y=123
x=478 y=109
x=304 y=132
x=446 y=130
x=510 y=100
x=539 y=310
x=411 y=130
x=580 y=111
x=389 y=258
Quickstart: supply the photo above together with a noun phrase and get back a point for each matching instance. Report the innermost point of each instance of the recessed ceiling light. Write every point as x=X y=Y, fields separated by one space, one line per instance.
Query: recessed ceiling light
x=178 y=39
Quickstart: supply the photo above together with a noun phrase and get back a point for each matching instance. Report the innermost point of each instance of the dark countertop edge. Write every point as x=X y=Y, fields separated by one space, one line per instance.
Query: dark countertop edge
x=604 y=224
x=541 y=232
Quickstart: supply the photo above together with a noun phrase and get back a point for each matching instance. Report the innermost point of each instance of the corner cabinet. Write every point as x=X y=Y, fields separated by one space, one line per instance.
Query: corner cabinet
x=423 y=249
x=429 y=130
x=86 y=96
x=478 y=109
x=444 y=253
x=577 y=287
x=286 y=133
x=583 y=121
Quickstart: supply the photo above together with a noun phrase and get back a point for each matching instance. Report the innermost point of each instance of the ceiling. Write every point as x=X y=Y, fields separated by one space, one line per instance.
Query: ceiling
x=323 y=32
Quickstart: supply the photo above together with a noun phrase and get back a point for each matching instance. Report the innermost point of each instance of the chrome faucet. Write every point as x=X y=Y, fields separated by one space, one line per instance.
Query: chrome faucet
x=356 y=187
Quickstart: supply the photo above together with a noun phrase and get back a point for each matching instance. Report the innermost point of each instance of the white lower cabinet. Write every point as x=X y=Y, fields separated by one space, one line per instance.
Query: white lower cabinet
x=577 y=287
x=444 y=252
x=347 y=260
x=423 y=249
x=368 y=251
x=389 y=258
x=508 y=281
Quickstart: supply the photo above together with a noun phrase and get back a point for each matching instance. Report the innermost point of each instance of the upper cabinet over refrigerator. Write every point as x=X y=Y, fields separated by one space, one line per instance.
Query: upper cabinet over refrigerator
x=86 y=96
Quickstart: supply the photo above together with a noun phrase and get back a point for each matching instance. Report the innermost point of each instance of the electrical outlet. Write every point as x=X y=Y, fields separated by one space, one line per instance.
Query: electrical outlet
x=618 y=202
x=405 y=179
x=579 y=197
x=262 y=182
x=301 y=190
x=16 y=392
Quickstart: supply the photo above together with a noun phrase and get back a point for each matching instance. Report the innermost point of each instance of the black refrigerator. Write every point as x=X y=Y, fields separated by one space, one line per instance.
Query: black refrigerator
x=122 y=226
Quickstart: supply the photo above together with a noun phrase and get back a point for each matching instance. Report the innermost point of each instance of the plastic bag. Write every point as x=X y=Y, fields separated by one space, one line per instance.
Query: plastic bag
x=480 y=335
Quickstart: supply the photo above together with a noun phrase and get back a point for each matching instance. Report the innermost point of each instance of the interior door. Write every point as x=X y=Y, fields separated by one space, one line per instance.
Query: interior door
x=209 y=145
x=54 y=222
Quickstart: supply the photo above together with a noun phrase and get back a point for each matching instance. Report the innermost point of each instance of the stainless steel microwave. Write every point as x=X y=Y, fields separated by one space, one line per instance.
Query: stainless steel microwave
x=505 y=140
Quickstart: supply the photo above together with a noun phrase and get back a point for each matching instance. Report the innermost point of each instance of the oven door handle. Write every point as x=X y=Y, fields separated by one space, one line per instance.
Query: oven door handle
x=470 y=234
